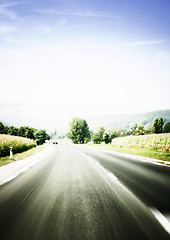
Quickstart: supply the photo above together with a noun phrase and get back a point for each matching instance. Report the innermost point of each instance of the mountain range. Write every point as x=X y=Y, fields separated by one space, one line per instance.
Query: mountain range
x=124 y=121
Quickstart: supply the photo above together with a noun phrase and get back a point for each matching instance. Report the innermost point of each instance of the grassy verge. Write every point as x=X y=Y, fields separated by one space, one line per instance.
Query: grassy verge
x=21 y=156
x=152 y=146
x=145 y=153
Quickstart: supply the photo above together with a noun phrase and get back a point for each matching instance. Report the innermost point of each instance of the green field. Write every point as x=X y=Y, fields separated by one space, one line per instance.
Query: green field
x=18 y=144
x=153 y=145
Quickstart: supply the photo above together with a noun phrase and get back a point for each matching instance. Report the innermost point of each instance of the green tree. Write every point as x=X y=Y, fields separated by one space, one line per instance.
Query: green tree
x=91 y=133
x=79 y=131
x=21 y=131
x=167 y=127
x=108 y=136
x=158 y=125
x=148 y=128
x=13 y=131
x=40 y=136
x=125 y=132
x=6 y=129
x=155 y=126
x=97 y=136
x=29 y=132
x=140 y=130
x=48 y=136
x=1 y=127
x=115 y=133
x=101 y=133
x=133 y=128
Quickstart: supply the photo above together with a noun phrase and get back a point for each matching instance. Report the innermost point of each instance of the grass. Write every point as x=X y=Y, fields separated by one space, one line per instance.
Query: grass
x=21 y=156
x=153 y=146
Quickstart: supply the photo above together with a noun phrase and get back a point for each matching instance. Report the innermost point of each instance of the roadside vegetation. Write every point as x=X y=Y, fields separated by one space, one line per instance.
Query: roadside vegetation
x=152 y=142
x=79 y=131
x=19 y=156
x=153 y=145
x=20 y=139
x=18 y=144
x=40 y=135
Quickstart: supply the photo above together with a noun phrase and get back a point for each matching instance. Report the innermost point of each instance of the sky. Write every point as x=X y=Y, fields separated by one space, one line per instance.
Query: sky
x=66 y=58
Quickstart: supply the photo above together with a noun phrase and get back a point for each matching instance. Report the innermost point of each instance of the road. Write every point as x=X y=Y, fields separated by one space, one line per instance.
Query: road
x=81 y=193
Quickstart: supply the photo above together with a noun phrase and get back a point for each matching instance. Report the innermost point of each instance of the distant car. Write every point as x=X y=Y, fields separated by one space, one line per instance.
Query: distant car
x=55 y=142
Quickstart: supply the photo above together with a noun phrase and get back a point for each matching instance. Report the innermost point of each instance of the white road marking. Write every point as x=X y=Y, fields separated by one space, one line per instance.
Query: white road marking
x=9 y=179
x=158 y=215
x=111 y=175
x=162 y=219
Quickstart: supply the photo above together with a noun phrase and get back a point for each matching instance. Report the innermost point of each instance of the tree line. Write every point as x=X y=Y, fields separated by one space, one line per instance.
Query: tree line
x=79 y=131
x=39 y=135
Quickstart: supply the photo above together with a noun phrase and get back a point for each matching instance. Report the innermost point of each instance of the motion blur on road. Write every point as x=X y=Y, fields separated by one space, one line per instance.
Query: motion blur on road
x=81 y=193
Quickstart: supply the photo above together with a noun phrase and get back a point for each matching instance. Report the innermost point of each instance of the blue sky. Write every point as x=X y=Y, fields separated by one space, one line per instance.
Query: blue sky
x=102 y=21
x=77 y=57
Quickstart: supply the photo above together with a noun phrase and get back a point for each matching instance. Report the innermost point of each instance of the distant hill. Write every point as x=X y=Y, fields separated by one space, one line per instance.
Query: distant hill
x=124 y=121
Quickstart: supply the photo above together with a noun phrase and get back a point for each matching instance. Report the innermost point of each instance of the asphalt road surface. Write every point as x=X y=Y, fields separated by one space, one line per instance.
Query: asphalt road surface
x=81 y=193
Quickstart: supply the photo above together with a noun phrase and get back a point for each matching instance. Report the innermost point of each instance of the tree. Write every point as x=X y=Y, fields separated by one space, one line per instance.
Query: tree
x=140 y=130
x=97 y=136
x=158 y=125
x=79 y=131
x=133 y=128
x=48 y=136
x=101 y=132
x=148 y=128
x=155 y=126
x=6 y=129
x=40 y=136
x=1 y=127
x=125 y=132
x=167 y=127
x=91 y=133
x=115 y=133
x=108 y=136
x=21 y=131
x=13 y=131
x=29 y=132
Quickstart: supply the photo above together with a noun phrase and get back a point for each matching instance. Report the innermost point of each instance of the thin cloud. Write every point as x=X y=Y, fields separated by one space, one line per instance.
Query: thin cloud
x=5 y=12
x=6 y=5
x=79 y=13
x=152 y=42
x=5 y=29
x=93 y=14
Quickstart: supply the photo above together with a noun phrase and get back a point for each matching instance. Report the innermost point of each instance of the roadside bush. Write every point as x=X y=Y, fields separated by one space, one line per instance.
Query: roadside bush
x=18 y=144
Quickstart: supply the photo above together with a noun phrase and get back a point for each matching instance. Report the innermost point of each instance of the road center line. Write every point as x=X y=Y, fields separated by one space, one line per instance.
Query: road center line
x=111 y=175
